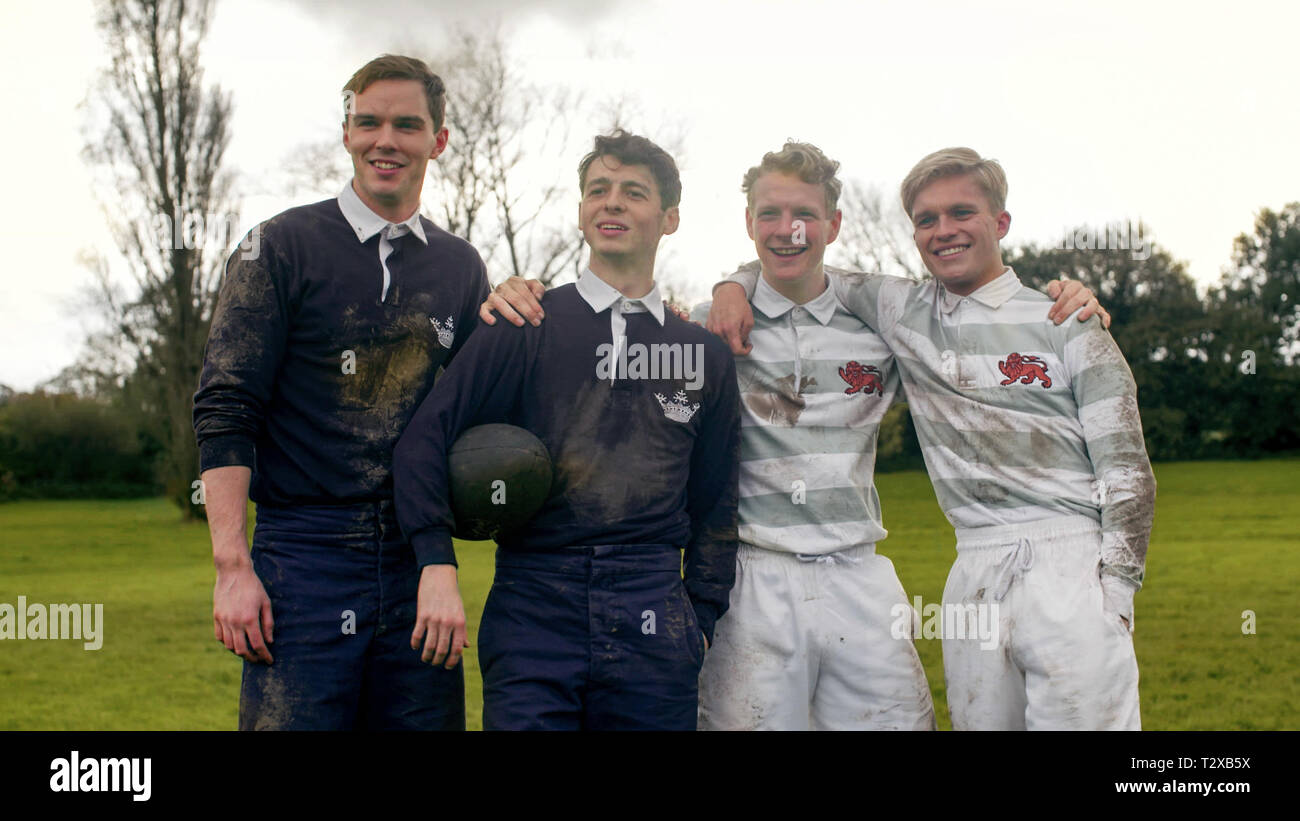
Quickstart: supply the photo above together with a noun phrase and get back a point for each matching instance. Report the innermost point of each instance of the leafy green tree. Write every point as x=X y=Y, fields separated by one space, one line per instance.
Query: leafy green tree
x=1256 y=306
x=1158 y=321
x=60 y=445
x=1254 y=335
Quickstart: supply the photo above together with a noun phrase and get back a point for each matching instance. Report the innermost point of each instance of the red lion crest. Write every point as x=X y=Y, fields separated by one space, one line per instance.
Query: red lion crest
x=1024 y=368
x=865 y=378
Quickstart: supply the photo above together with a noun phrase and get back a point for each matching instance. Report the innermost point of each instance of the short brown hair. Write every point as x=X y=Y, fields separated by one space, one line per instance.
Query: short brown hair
x=952 y=162
x=631 y=149
x=397 y=67
x=805 y=161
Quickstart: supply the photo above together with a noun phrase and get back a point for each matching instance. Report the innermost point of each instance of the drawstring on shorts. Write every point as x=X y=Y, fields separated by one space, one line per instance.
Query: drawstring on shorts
x=1014 y=565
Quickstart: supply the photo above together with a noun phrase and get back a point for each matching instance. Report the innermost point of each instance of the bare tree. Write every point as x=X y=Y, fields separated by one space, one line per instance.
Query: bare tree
x=317 y=169
x=496 y=183
x=875 y=235
x=158 y=137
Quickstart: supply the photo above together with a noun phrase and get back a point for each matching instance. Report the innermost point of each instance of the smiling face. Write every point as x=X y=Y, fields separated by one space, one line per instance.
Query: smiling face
x=621 y=214
x=791 y=254
x=957 y=233
x=390 y=136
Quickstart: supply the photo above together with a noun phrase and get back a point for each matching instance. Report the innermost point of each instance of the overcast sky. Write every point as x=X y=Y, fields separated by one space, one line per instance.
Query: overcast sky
x=1111 y=111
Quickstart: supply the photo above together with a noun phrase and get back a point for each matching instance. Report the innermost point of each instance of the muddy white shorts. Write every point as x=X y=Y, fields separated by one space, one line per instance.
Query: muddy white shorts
x=1061 y=659
x=806 y=644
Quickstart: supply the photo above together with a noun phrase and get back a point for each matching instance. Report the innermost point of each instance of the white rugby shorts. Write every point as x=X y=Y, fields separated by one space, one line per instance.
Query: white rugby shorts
x=1062 y=660
x=807 y=644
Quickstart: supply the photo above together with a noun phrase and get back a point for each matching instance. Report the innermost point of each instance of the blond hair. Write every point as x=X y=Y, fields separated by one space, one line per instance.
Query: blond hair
x=951 y=162
x=805 y=161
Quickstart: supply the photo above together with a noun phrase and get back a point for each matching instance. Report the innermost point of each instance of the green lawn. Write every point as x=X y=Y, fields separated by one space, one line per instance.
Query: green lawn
x=1225 y=541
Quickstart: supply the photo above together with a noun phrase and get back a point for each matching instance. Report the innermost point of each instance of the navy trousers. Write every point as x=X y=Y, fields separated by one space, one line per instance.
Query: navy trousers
x=590 y=638
x=342 y=583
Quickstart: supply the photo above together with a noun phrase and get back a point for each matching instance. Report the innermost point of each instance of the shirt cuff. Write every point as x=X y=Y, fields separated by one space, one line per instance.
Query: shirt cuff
x=226 y=451
x=706 y=615
x=433 y=546
x=1117 y=595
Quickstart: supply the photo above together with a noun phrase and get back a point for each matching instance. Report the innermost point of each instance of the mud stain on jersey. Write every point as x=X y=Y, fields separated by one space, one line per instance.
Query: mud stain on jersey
x=1130 y=476
x=247 y=301
x=989 y=492
x=782 y=406
x=606 y=472
x=391 y=372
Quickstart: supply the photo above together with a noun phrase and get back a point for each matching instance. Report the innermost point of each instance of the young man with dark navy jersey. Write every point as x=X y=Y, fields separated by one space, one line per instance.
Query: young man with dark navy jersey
x=321 y=348
x=590 y=624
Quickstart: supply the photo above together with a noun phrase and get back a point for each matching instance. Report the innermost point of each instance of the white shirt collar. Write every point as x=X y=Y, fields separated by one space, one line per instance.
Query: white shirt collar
x=774 y=305
x=600 y=295
x=992 y=294
x=366 y=223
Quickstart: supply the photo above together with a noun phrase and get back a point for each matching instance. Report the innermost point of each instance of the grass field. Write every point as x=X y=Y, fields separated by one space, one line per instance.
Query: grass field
x=1225 y=541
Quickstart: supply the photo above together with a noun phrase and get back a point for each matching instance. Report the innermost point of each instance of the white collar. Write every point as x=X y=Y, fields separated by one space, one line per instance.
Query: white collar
x=773 y=304
x=600 y=295
x=367 y=223
x=992 y=294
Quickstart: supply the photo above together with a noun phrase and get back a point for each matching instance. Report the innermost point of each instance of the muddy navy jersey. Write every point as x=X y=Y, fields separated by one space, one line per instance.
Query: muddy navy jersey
x=646 y=460
x=312 y=370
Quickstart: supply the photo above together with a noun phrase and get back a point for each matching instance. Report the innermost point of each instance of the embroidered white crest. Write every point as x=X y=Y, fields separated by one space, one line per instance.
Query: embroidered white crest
x=679 y=409
x=446 y=331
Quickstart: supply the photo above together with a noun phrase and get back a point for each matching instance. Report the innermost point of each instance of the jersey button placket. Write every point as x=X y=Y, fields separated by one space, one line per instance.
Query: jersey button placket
x=965 y=368
x=797 y=388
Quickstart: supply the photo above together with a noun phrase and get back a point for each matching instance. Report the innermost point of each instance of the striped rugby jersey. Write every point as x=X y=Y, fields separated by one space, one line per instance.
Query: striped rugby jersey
x=813 y=392
x=1019 y=419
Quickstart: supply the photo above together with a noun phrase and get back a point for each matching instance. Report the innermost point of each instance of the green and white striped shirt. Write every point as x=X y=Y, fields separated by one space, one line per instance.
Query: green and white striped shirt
x=1019 y=419
x=813 y=392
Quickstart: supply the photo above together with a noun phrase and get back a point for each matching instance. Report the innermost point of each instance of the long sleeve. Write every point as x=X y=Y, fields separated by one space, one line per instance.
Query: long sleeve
x=1125 y=489
x=468 y=318
x=243 y=353
x=481 y=385
x=710 y=560
x=746 y=276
